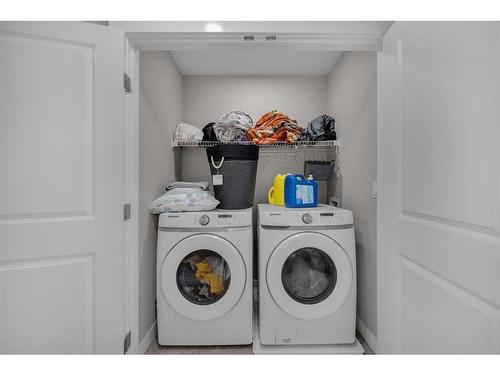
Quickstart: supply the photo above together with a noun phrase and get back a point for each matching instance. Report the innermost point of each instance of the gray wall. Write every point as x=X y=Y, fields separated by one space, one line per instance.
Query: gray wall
x=352 y=101
x=207 y=98
x=160 y=110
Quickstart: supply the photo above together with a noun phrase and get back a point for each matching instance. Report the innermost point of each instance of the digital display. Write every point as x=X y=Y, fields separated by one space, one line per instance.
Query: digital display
x=224 y=216
x=326 y=214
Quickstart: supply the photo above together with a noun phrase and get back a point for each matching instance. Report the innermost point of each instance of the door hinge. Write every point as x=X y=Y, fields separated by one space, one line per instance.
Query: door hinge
x=127 y=83
x=126 y=342
x=126 y=211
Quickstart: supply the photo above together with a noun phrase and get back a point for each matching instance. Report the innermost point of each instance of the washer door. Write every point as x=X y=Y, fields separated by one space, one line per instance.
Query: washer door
x=203 y=277
x=309 y=275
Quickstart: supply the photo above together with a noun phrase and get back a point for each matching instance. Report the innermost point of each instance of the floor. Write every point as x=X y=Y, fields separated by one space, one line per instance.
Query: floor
x=155 y=348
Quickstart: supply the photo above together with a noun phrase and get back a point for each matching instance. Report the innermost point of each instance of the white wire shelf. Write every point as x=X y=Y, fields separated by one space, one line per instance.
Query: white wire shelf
x=279 y=145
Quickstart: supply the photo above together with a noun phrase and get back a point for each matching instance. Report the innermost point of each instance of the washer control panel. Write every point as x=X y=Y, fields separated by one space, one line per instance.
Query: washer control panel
x=219 y=220
x=206 y=219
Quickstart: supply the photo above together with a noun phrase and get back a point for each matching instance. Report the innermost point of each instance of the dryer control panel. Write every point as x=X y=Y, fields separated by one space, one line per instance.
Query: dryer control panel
x=322 y=215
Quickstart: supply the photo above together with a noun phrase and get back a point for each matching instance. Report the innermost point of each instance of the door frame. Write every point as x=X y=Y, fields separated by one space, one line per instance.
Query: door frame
x=388 y=118
x=132 y=197
x=195 y=35
x=170 y=35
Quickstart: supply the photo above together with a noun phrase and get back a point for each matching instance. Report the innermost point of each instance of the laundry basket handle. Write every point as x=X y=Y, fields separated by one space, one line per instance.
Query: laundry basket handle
x=213 y=162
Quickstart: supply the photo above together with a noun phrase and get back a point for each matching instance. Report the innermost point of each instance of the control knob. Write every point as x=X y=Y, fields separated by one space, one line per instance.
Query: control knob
x=307 y=218
x=204 y=220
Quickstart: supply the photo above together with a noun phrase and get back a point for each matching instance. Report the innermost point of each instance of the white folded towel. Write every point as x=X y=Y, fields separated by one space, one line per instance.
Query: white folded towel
x=203 y=185
x=187 y=133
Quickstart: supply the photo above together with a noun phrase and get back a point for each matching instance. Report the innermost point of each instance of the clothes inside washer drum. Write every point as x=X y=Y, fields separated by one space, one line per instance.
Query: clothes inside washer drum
x=203 y=277
x=205 y=274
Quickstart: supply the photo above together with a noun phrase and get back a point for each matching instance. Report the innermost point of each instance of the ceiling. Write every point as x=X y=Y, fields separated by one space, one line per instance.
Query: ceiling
x=255 y=48
x=256 y=62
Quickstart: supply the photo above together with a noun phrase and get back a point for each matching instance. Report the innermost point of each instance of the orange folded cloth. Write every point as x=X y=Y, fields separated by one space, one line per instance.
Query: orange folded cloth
x=274 y=127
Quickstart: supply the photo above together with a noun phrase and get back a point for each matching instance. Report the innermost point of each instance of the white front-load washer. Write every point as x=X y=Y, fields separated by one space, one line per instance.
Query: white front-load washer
x=307 y=276
x=204 y=278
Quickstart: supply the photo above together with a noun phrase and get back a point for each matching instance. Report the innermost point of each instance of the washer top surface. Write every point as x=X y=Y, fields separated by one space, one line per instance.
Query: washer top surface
x=323 y=215
x=206 y=219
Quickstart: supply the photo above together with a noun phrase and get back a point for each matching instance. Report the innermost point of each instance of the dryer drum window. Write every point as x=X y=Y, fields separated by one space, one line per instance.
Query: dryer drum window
x=309 y=275
x=203 y=277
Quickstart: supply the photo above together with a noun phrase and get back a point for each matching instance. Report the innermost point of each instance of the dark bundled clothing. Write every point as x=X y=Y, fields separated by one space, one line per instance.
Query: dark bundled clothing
x=209 y=133
x=322 y=128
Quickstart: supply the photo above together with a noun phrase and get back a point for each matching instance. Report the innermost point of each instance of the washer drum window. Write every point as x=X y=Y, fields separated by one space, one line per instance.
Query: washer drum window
x=309 y=275
x=208 y=259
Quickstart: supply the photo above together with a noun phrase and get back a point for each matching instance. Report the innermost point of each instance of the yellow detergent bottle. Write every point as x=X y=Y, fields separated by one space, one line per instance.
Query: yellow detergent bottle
x=276 y=194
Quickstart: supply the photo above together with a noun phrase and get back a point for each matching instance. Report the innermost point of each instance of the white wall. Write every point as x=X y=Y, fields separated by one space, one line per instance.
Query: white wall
x=160 y=110
x=207 y=98
x=352 y=102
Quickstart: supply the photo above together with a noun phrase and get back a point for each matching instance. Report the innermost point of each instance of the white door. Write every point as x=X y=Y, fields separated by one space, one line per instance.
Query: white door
x=439 y=188
x=61 y=188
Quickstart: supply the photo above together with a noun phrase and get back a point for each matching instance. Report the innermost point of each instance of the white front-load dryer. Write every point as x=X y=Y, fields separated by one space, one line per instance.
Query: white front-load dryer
x=307 y=276
x=204 y=278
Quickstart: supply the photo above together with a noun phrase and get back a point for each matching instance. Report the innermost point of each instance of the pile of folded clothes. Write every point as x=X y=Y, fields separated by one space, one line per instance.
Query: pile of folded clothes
x=272 y=127
x=232 y=127
x=184 y=196
x=275 y=127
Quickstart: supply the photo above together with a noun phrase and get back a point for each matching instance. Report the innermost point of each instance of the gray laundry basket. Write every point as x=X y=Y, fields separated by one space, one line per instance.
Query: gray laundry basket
x=238 y=166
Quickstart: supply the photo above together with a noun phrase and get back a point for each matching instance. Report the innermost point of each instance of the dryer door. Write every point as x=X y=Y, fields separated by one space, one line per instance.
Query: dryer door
x=203 y=276
x=309 y=275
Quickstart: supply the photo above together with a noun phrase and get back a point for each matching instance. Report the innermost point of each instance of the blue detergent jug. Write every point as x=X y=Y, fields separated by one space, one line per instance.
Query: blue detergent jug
x=300 y=192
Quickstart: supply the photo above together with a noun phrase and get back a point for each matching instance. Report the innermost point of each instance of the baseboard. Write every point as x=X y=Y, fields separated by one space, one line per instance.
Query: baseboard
x=143 y=346
x=369 y=337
